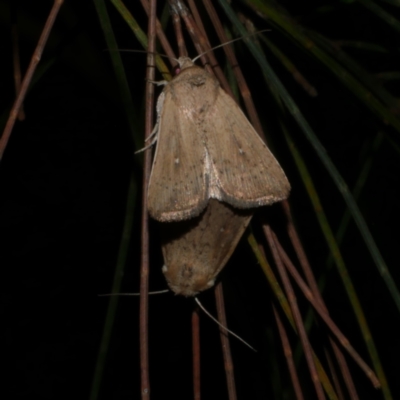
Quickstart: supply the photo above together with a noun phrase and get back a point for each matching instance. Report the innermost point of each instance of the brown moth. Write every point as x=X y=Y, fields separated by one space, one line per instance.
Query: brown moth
x=207 y=149
x=195 y=251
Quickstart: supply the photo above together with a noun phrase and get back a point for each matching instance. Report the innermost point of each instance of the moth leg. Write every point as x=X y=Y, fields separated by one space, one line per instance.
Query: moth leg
x=154 y=133
x=159 y=106
x=159 y=83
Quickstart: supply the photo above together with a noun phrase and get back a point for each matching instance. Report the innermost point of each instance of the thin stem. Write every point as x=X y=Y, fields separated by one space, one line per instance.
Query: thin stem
x=201 y=43
x=323 y=314
x=37 y=55
x=160 y=34
x=176 y=23
x=302 y=257
x=296 y=313
x=288 y=355
x=226 y=349
x=281 y=297
x=15 y=56
x=196 y=354
x=144 y=267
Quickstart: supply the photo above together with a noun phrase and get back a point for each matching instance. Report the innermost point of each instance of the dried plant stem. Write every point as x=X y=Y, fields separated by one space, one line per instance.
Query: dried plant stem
x=37 y=54
x=296 y=313
x=288 y=355
x=335 y=379
x=15 y=56
x=197 y=18
x=179 y=8
x=201 y=43
x=176 y=22
x=226 y=349
x=302 y=257
x=196 y=354
x=281 y=297
x=322 y=312
x=144 y=267
x=344 y=369
x=161 y=36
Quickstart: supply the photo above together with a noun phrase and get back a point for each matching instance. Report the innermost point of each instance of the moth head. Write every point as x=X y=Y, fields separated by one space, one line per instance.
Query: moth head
x=185 y=62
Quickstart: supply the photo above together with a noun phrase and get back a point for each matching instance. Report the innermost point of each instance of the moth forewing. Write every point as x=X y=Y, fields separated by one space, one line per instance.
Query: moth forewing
x=208 y=149
x=245 y=172
x=195 y=251
x=178 y=183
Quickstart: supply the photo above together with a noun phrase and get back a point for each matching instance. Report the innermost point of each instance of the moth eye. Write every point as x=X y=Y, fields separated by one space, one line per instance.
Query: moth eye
x=164 y=268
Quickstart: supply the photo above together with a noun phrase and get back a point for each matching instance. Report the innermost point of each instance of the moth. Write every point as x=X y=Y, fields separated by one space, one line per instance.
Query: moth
x=196 y=250
x=207 y=149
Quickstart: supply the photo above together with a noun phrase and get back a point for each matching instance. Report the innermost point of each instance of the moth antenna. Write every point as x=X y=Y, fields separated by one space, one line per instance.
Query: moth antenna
x=132 y=294
x=222 y=326
x=230 y=41
x=146 y=52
